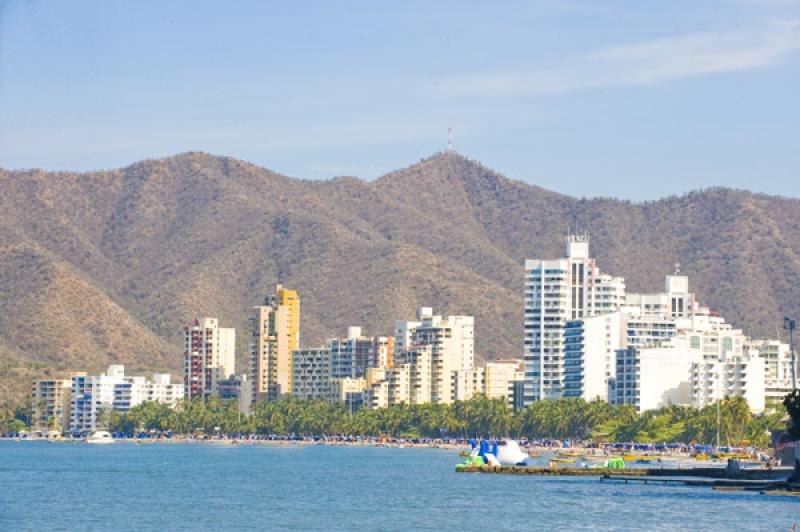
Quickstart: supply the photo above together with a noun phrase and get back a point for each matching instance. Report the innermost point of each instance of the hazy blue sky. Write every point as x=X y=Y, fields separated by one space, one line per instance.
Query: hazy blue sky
x=634 y=99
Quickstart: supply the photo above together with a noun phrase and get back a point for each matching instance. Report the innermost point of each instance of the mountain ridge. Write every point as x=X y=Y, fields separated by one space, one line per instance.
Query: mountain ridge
x=157 y=242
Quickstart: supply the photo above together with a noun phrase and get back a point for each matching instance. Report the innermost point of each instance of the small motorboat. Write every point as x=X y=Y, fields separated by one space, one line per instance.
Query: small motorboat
x=569 y=454
x=100 y=437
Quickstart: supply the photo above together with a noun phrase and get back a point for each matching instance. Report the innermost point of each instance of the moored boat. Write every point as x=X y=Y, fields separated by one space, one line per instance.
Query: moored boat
x=100 y=437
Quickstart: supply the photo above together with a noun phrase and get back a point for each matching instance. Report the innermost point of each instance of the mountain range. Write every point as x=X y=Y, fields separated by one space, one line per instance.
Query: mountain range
x=106 y=267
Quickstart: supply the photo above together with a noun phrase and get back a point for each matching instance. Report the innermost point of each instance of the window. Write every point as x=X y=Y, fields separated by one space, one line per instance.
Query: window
x=695 y=342
x=727 y=344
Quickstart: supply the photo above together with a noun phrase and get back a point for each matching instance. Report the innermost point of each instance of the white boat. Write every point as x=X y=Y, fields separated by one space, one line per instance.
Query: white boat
x=101 y=437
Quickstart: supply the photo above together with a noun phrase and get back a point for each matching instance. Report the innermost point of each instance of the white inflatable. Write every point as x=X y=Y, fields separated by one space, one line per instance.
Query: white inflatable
x=509 y=453
x=504 y=453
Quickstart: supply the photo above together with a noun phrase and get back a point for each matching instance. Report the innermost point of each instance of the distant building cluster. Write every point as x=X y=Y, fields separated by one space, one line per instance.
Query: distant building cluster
x=429 y=359
x=81 y=402
x=585 y=336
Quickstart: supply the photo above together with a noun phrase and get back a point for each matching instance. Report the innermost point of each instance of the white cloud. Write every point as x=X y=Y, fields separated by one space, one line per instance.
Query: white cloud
x=651 y=62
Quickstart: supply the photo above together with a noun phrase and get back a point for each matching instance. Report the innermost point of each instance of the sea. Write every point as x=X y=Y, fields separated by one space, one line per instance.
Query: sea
x=172 y=486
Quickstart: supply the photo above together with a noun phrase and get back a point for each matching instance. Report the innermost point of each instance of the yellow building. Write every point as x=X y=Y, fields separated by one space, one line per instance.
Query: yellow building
x=51 y=403
x=289 y=299
x=275 y=330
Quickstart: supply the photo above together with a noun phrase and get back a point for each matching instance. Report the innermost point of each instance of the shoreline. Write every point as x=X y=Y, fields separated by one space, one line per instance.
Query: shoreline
x=589 y=452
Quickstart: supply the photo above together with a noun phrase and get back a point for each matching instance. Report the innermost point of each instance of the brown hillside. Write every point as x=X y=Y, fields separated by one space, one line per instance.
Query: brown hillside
x=107 y=266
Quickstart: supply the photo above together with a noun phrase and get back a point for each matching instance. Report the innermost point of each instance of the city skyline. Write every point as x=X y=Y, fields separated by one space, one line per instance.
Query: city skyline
x=586 y=338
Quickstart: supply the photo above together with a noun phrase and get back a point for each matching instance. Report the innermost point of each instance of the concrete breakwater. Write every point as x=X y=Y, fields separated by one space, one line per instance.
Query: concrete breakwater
x=775 y=474
x=543 y=471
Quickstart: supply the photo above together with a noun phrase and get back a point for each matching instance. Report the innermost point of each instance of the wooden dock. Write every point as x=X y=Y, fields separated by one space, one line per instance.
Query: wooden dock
x=723 y=483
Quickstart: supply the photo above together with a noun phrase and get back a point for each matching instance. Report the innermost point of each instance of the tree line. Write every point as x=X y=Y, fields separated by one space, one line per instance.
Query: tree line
x=477 y=417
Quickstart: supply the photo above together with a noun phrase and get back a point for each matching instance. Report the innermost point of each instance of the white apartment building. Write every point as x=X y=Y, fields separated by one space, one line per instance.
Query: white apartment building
x=94 y=397
x=311 y=373
x=209 y=355
x=589 y=355
x=352 y=356
x=654 y=377
x=161 y=388
x=731 y=375
x=433 y=349
x=777 y=359
x=582 y=328
x=558 y=291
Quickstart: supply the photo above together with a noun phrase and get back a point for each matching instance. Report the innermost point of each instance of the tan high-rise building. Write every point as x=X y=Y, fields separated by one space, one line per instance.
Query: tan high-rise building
x=275 y=329
x=50 y=399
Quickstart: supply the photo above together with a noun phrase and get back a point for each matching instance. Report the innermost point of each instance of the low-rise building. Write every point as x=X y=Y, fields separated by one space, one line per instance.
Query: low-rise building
x=238 y=388
x=729 y=376
x=777 y=359
x=351 y=392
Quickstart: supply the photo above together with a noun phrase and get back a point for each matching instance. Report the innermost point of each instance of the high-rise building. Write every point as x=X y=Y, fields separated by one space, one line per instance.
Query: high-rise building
x=311 y=373
x=432 y=363
x=556 y=292
x=275 y=332
x=209 y=355
x=352 y=356
x=582 y=329
x=50 y=399
x=435 y=349
x=589 y=353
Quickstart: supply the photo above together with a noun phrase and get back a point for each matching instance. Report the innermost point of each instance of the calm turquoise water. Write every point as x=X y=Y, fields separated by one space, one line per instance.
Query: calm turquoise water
x=205 y=487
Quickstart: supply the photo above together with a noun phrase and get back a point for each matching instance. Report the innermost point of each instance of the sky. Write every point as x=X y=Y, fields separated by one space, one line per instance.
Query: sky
x=630 y=99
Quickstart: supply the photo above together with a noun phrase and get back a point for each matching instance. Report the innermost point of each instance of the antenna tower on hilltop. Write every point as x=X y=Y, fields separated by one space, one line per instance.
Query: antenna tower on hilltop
x=449 y=140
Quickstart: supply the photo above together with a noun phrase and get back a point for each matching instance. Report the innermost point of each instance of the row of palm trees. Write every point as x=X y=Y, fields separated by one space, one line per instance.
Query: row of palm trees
x=478 y=417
